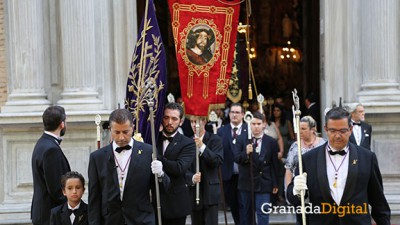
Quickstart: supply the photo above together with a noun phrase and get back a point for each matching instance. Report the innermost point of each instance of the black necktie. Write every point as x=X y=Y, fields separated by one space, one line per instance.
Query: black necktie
x=234 y=132
x=342 y=152
x=356 y=124
x=255 y=142
x=163 y=138
x=126 y=147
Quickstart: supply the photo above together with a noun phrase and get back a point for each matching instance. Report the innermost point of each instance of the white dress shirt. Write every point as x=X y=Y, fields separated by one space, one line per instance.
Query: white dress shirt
x=337 y=192
x=357 y=133
x=121 y=161
x=72 y=216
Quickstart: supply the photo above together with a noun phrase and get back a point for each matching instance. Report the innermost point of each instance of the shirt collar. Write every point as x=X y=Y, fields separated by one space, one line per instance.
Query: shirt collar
x=116 y=146
x=76 y=207
x=173 y=135
x=53 y=135
x=346 y=149
x=238 y=126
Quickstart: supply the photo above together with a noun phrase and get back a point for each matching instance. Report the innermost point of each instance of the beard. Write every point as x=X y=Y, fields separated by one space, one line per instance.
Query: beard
x=62 y=132
x=168 y=132
x=202 y=48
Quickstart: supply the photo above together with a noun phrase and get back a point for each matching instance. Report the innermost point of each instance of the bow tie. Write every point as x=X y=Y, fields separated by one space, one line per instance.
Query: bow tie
x=163 y=138
x=58 y=140
x=356 y=124
x=126 y=147
x=342 y=152
x=74 y=211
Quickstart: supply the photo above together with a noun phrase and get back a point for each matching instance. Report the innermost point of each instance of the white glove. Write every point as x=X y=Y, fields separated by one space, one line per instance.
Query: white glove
x=300 y=183
x=156 y=168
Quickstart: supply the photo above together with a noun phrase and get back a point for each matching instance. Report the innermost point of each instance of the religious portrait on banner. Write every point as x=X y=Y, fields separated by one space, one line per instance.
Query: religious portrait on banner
x=205 y=36
x=200 y=44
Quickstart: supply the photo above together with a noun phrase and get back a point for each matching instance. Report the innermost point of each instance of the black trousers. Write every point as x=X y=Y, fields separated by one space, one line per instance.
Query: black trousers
x=174 y=221
x=232 y=196
x=207 y=216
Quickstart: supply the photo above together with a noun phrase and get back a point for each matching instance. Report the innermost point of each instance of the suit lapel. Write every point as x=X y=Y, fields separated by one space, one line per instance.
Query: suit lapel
x=363 y=130
x=112 y=170
x=263 y=150
x=322 y=174
x=135 y=154
x=65 y=219
x=352 y=138
x=171 y=145
x=351 y=174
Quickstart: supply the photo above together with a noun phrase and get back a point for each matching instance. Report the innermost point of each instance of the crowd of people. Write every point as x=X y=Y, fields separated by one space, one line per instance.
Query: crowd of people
x=244 y=165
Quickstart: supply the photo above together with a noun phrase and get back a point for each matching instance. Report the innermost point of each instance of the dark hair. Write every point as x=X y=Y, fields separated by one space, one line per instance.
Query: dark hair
x=52 y=117
x=338 y=113
x=236 y=104
x=174 y=106
x=120 y=116
x=311 y=97
x=283 y=119
x=71 y=175
x=193 y=35
x=258 y=115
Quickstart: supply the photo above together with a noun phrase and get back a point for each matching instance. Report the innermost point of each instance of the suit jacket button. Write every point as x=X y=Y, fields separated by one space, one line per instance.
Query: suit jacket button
x=260 y=172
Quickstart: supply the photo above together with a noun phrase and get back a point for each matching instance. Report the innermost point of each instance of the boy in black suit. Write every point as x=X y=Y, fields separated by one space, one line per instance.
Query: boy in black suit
x=74 y=211
x=211 y=155
x=262 y=155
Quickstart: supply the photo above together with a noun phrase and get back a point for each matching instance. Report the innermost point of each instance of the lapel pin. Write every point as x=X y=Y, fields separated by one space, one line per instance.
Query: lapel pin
x=80 y=218
x=139 y=152
x=354 y=162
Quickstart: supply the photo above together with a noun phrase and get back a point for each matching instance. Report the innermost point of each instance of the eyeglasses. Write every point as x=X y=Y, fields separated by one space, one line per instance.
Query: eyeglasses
x=341 y=131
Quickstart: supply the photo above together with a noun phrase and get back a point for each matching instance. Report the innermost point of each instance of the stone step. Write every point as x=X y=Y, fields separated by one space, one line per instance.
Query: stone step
x=274 y=219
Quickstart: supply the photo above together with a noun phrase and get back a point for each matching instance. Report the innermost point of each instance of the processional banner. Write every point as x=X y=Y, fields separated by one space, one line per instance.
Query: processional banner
x=147 y=76
x=205 y=36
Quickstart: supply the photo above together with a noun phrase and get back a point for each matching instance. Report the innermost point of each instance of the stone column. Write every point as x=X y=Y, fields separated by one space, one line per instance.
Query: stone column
x=78 y=56
x=27 y=44
x=380 y=57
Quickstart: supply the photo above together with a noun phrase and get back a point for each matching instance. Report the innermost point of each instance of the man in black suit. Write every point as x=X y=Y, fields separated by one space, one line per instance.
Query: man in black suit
x=210 y=152
x=48 y=165
x=312 y=110
x=362 y=131
x=229 y=134
x=176 y=152
x=262 y=155
x=342 y=174
x=121 y=177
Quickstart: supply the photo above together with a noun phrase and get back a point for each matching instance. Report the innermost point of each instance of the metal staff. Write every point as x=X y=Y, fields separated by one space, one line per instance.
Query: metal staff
x=97 y=121
x=197 y=162
x=248 y=117
x=150 y=103
x=260 y=100
x=149 y=89
x=214 y=119
x=297 y=130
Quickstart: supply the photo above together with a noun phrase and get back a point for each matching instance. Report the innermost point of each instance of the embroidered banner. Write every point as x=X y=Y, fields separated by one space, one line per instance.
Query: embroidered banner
x=205 y=36
x=149 y=78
